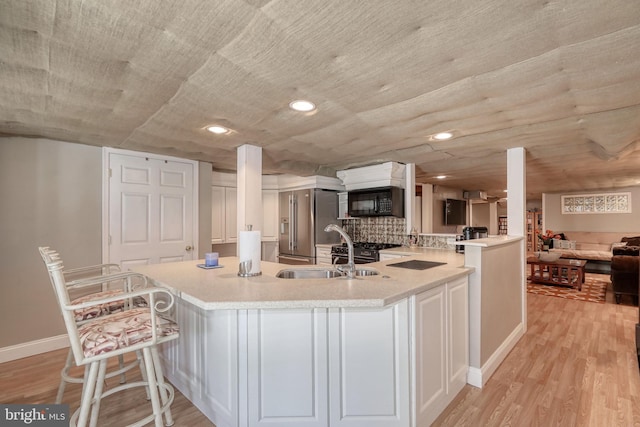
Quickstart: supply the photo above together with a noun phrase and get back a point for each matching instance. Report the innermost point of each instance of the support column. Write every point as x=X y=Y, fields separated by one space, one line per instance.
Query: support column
x=517 y=211
x=249 y=181
x=410 y=196
x=493 y=218
x=427 y=208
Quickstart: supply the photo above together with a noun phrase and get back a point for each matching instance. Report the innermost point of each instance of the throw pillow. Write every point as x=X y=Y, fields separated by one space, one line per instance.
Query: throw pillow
x=631 y=241
x=618 y=245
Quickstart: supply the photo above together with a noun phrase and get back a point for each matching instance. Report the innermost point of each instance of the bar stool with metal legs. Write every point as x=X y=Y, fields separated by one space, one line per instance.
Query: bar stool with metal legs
x=95 y=341
x=75 y=276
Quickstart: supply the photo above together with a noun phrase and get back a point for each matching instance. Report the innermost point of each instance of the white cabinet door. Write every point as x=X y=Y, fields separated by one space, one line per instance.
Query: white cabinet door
x=270 y=215
x=188 y=351
x=441 y=346
x=224 y=220
x=369 y=367
x=231 y=214
x=219 y=380
x=431 y=358
x=287 y=367
x=217 y=214
x=458 y=334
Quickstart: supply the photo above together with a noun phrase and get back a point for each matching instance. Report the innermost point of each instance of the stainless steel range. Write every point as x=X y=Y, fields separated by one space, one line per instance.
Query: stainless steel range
x=363 y=253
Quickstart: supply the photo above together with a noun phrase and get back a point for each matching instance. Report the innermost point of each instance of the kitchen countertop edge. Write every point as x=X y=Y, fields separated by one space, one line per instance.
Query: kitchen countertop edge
x=190 y=283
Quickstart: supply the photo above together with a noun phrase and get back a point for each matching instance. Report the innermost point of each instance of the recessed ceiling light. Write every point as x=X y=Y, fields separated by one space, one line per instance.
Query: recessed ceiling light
x=302 y=105
x=217 y=129
x=441 y=176
x=442 y=136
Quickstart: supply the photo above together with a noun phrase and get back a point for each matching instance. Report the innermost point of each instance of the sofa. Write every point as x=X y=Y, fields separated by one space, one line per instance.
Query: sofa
x=595 y=247
x=625 y=271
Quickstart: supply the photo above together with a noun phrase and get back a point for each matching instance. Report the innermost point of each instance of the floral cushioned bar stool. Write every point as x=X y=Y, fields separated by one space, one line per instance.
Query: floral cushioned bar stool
x=74 y=278
x=93 y=342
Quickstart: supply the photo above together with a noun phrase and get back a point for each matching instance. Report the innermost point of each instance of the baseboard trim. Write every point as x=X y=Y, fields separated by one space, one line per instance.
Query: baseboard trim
x=32 y=348
x=478 y=377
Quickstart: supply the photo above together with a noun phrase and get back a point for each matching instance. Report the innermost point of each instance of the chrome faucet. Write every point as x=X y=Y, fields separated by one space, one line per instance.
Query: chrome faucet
x=350 y=266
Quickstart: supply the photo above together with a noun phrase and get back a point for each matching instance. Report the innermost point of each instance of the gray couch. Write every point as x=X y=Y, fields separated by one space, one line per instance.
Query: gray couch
x=594 y=247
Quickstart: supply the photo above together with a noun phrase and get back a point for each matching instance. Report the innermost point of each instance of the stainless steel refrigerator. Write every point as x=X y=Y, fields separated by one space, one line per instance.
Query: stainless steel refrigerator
x=303 y=216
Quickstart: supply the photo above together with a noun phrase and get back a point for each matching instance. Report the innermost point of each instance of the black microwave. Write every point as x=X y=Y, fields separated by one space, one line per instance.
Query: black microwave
x=383 y=201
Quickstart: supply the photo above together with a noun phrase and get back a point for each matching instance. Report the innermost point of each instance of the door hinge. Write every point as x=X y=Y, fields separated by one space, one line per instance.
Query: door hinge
x=109 y=239
x=110 y=172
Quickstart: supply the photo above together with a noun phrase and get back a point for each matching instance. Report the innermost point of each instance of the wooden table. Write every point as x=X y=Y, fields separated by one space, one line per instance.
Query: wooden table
x=563 y=272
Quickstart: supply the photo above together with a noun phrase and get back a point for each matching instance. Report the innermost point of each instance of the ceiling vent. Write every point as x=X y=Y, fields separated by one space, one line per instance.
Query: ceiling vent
x=475 y=195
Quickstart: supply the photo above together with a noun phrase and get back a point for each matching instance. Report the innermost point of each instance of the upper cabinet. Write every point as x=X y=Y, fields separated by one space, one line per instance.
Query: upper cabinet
x=231 y=214
x=224 y=203
x=224 y=215
x=224 y=227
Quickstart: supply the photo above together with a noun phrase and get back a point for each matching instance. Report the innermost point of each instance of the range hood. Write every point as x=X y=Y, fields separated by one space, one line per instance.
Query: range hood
x=389 y=174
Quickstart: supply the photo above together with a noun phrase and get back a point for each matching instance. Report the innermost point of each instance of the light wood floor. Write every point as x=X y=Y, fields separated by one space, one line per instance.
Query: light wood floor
x=35 y=380
x=575 y=366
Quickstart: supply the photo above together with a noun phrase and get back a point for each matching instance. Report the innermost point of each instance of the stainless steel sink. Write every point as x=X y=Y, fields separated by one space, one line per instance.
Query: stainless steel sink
x=321 y=273
x=308 y=273
x=366 y=272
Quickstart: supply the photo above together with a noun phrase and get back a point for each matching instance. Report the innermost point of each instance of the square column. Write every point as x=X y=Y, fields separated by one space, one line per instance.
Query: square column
x=249 y=182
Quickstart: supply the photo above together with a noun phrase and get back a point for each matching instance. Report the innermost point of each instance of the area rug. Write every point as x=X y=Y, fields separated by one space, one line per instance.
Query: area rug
x=594 y=289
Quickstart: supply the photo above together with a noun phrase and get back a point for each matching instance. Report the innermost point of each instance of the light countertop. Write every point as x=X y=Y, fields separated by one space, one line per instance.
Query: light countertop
x=490 y=241
x=222 y=288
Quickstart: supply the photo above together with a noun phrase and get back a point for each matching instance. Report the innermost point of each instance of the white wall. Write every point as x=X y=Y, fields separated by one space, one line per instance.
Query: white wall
x=51 y=196
x=554 y=219
x=440 y=194
x=480 y=215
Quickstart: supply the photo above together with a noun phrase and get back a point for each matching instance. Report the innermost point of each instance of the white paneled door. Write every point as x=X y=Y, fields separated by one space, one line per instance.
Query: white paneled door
x=151 y=213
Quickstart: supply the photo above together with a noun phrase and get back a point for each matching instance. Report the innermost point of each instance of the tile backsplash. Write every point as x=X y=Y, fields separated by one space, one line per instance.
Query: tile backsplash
x=385 y=229
x=439 y=242
x=389 y=230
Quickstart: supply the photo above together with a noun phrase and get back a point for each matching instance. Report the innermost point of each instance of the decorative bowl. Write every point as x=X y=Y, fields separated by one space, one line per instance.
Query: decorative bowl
x=548 y=256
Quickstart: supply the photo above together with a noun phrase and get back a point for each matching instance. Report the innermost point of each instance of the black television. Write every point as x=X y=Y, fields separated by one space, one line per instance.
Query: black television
x=455 y=212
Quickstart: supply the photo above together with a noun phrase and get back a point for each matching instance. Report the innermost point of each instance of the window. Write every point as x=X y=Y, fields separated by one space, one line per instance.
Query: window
x=596 y=203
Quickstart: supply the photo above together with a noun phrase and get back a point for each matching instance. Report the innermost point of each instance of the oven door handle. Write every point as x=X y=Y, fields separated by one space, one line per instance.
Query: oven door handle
x=358 y=260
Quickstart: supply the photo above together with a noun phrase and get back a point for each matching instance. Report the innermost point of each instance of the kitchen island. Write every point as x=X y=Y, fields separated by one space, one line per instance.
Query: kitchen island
x=384 y=350
x=497 y=299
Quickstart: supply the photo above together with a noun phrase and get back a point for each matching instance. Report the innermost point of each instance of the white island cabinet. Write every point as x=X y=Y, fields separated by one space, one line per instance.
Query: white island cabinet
x=369 y=383
x=441 y=341
x=287 y=367
x=263 y=351
x=308 y=367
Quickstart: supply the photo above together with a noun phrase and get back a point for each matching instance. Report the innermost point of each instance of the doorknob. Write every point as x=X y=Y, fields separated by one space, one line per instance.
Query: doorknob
x=188 y=248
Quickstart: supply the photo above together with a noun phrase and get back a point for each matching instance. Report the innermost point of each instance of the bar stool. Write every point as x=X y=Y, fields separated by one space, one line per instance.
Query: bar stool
x=74 y=277
x=93 y=342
